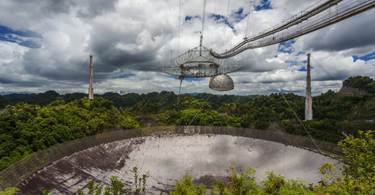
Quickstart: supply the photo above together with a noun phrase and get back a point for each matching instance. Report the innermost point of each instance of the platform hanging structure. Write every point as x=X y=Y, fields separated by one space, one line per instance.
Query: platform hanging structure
x=308 y=101
x=91 y=87
x=198 y=63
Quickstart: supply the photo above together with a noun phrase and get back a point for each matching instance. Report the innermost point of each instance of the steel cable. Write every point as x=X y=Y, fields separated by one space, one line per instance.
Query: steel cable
x=282 y=94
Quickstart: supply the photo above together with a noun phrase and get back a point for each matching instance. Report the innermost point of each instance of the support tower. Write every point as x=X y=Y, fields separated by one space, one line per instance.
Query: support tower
x=91 y=87
x=308 y=103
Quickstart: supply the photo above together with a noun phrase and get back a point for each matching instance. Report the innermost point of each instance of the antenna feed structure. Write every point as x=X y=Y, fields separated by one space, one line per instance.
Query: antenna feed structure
x=199 y=63
x=221 y=82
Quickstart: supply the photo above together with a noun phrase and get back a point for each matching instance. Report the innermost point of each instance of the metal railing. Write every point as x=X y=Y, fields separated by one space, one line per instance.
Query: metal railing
x=300 y=26
x=15 y=174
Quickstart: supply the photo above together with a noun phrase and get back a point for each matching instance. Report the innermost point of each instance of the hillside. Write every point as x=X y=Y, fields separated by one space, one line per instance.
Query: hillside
x=50 y=118
x=359 y=85
x=164 y=98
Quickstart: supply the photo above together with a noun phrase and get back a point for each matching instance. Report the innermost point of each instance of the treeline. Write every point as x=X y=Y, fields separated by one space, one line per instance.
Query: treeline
x=359 y=82
x=164 y=99
x=26 y=128
x=35 y=125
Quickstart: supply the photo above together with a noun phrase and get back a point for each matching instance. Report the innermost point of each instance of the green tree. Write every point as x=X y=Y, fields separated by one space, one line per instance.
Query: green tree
x=116 y=186
x=241 y=184
x=186 y=187
x=358 y=176
x=9 y=191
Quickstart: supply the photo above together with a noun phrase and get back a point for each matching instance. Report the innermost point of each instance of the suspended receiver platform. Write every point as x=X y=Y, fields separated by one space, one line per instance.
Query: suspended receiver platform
x=198 y=63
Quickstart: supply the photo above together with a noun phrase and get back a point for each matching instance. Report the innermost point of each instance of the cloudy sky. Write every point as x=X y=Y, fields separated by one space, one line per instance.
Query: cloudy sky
x=45 y=45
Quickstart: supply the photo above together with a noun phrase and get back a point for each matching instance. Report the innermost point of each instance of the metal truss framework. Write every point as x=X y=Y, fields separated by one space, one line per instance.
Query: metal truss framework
x=309 y=20
x=197 y=63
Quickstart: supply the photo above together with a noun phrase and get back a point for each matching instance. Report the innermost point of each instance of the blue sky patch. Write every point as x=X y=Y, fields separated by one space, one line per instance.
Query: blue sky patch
x=216 y=17
x=239 y=15
x=264 y=4
x=366 y=57
x=185 y=79
x=286 y=46
x=14 y=36
x=187 y=18
x=22 y=33
x=123 y=76
x=303 y=69
x=193 y=79
x=222 y=19
x=239 y=12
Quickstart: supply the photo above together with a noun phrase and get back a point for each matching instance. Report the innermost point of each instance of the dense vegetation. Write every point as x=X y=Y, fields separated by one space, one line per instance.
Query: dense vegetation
x=32 y=122
x=26 y=128
x=164 y=99
x=359 y=82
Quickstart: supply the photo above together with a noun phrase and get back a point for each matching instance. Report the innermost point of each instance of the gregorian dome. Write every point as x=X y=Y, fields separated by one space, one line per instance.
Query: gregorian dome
x=221 y=82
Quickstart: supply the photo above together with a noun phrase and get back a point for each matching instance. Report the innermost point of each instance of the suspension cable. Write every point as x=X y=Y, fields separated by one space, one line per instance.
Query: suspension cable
x=282 y=94
x=179 y=91
x=312 y=5
x=200 y=109
x=225 y=27
x=324 y=70
x=75 y=78
x=179 y=31
x=213 y=24
x=204 y=15
x=248 y=16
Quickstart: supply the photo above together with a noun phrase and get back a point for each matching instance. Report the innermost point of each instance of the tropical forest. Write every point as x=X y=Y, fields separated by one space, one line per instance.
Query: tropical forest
x=32 y=122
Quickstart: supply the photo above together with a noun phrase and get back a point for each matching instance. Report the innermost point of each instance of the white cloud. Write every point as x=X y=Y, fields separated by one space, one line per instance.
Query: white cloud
x=137 y=36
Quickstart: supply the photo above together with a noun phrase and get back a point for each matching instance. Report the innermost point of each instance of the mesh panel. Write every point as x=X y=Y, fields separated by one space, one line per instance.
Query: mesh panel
x=18 y=172
x=221 y=82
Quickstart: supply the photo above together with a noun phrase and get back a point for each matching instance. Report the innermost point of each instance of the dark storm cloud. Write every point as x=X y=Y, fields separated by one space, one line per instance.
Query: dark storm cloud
x=58 y=6
x=95 y=8
x=88 y=8
x=108 y=57
x=58 y=69
x=136 y=38
x=354 y=32
x=24 y=84
x=14 y=81
x=125 y=60
x=104 y=36
x=50 y=7
x=5 y=80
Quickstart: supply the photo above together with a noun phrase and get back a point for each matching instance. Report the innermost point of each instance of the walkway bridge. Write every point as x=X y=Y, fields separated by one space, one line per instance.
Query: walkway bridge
x=309 y=20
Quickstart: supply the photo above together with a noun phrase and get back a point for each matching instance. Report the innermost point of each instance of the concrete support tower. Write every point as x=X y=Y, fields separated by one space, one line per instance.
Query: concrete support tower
x=91 y=87
x=308 y=103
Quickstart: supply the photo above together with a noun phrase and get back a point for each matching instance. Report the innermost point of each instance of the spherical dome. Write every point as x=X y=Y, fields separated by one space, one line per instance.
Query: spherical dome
x=221 y=82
